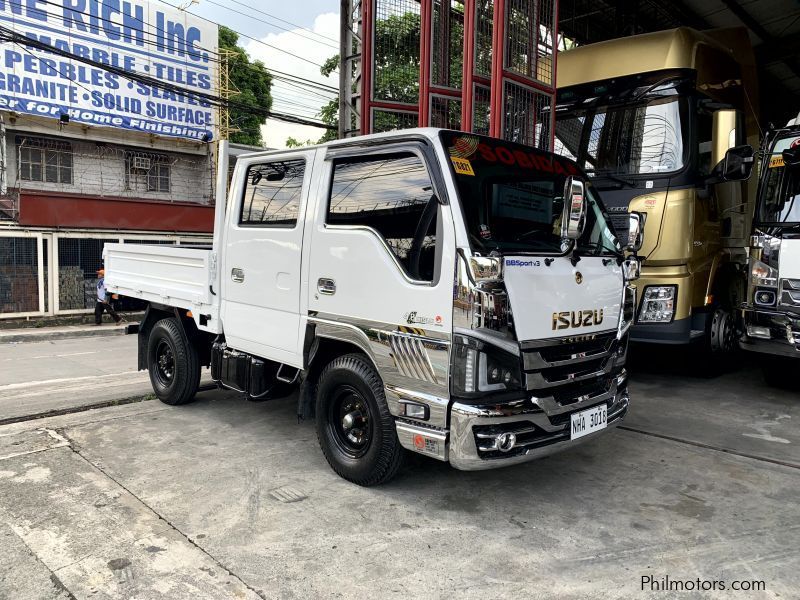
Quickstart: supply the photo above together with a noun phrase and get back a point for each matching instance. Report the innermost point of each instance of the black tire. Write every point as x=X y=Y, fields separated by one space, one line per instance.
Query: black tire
x=173 y=363
x=368 y=451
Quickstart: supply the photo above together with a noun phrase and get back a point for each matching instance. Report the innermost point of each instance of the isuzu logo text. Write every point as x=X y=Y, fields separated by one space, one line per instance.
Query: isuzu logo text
x=577 y=318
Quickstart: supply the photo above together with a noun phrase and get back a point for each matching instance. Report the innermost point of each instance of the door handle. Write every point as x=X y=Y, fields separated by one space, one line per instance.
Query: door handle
x=237 y=275
x=326 y=286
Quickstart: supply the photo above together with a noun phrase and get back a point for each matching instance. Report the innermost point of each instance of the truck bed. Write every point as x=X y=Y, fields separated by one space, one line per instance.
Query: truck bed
x=178 y=276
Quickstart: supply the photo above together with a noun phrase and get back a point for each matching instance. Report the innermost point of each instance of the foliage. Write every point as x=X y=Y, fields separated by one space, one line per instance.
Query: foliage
x=295 y=143
x=254 y=83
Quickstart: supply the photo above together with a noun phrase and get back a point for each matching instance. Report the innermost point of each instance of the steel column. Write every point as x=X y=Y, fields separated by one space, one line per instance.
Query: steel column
x=498 y=64
x=425 y=55
x=467 y=81
x=367 y=63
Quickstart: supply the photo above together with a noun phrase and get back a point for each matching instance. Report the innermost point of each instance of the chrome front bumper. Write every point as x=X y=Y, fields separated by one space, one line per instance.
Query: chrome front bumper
x=467 y=444
x=474 y=427
x=771 y=332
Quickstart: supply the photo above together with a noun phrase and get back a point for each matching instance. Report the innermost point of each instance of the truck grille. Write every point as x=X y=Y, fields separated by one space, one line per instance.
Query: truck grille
x=572 y=369
x=620 y=223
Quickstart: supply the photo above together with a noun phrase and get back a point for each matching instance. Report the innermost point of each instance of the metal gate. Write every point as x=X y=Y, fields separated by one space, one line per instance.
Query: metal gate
x=55 y=273
x=486 y=66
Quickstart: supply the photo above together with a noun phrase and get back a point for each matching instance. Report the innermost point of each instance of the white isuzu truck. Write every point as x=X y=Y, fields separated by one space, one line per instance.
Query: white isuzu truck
x=772 y=311
x=426 y=290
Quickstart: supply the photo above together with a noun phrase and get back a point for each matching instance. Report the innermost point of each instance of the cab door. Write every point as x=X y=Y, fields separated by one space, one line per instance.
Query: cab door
x=261 y=259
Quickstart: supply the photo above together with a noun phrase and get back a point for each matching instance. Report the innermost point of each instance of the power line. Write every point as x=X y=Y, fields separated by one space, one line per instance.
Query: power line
x=335 y=41
x=16 y=38
x=292 y=31
x=160 y=45
x=263 y=43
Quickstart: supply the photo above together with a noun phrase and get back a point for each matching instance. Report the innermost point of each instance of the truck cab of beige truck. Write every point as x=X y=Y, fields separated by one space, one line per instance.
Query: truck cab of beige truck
x=665 y=124
x=426 y=290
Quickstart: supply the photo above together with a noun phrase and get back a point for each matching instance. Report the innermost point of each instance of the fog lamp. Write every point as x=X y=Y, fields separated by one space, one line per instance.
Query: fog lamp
x=757 y=331
x=416 y=411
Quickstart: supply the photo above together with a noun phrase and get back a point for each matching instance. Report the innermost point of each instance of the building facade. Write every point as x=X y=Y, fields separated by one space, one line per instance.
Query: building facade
x=67 y=189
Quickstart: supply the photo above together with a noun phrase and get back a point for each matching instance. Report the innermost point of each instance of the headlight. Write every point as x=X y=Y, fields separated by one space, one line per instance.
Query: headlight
x=478 y=368
x=658 y=304
x=763 y=274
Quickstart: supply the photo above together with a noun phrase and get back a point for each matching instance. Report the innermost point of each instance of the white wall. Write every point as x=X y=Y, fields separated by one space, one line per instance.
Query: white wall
x=99 y=167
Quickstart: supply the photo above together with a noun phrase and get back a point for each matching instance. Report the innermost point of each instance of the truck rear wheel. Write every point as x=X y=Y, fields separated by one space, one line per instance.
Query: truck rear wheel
x=173 y=363
x=355 y=429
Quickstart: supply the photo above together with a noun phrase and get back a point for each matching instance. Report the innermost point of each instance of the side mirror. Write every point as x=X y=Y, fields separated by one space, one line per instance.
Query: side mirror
x=791 y=157
x=737 y=165
x=486 y=268
x=574 y=218
x=635 y=232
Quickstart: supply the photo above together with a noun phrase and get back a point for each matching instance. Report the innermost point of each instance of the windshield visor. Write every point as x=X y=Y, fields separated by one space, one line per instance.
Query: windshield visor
x=641 y=132
x=779 y=202
x=512 y=199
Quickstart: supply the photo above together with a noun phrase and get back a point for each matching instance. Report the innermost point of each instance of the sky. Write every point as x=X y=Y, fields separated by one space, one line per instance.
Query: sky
x=258 y=19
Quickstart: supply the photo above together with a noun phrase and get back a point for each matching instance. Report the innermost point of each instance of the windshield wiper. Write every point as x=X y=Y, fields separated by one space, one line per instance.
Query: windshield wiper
x=607 y=175
x=598 y=247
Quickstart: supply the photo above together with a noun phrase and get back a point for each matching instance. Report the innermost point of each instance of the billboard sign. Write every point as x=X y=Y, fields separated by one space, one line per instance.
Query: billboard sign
x=146 y=38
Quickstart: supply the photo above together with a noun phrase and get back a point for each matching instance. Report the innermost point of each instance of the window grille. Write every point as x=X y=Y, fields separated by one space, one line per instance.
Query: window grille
x=147 y=171
x=43 y=159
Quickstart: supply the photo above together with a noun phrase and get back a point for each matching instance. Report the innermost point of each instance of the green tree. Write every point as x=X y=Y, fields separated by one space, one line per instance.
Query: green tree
x=254 y=84
x=397 y=40
x=295 y=143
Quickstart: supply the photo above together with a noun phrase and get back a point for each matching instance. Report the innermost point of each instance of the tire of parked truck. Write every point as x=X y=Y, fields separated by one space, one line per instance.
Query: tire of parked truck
x=173 y=363
x=355 y=429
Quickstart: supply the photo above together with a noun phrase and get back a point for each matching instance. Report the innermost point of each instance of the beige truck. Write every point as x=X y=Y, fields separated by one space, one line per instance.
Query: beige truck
x=665 y=124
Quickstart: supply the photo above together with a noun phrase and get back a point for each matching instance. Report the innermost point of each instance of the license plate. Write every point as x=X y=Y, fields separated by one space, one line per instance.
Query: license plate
x=588 y=421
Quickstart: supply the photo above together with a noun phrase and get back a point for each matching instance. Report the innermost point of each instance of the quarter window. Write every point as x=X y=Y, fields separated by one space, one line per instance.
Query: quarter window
x=272 y=194
x=392 y=195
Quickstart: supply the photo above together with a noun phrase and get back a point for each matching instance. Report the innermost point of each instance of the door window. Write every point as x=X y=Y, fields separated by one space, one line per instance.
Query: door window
x=272 y=194
x=392 y=195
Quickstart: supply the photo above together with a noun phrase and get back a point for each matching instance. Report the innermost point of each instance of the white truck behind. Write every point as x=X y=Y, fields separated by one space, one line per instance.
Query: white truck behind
x=771 y=314
x=426 y=290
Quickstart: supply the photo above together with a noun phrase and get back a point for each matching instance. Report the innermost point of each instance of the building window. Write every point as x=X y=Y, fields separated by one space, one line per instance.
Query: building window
x=43 y=159
x=273 y=193
x=147 y=171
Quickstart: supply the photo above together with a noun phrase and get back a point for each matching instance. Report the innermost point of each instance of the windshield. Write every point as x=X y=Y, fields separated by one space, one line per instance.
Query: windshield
x=779 y=200
x=638 y=132
x=512 y=199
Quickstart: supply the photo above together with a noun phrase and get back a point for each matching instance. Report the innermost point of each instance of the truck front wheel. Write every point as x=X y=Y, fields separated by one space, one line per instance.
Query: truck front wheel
x=173 y=363
x=354 y=426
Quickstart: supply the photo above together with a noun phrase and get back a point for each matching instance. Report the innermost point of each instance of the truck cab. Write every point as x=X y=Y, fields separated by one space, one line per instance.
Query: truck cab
x=650 y=119
x=771 y=312
x=429 y=291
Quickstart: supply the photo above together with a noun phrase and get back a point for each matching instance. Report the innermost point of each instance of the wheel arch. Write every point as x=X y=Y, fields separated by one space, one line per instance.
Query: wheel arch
x=154 y=313
x=324 y=344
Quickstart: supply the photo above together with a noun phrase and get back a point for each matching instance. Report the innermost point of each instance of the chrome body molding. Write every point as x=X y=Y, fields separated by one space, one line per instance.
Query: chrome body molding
x=424 y=440
x=397 y=397
x=410 y=355
x=481 y=304
x=411 y=361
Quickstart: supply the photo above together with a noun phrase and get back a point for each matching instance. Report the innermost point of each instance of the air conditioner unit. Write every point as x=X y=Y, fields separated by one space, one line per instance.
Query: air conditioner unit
x=141 y=163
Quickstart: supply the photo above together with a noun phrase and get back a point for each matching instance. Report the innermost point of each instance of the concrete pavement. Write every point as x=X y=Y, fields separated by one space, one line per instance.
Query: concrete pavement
x=63 y=374
x=228 y=499
x=47 y=334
